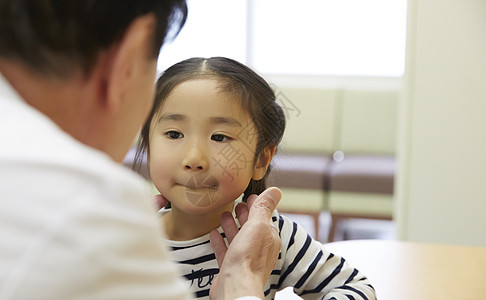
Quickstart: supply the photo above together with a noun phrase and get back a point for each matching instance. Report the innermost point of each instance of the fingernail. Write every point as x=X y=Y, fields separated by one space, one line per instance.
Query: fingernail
x=274 y=193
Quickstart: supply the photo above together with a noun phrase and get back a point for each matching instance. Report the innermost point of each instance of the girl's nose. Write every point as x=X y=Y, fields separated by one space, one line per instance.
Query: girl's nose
x=195 y=160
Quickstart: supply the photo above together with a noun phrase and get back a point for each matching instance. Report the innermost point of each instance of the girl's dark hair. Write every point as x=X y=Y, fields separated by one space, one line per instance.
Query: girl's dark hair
x=56 y=37
x=253 y=93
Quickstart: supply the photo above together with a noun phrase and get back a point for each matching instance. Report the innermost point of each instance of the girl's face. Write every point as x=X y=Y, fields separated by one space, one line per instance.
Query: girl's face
x=202 y=148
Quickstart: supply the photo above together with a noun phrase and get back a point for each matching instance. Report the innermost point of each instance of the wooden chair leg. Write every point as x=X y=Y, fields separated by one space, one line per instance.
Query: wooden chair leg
x=336 y=218
x=332 y=230
x=315 y=216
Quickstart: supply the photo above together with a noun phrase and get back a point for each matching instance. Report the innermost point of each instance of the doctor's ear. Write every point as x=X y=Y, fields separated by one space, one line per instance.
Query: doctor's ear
x=263 y=161
x=122 y=66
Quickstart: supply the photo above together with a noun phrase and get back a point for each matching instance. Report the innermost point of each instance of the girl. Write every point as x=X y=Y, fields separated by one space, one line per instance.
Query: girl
x=209 y=138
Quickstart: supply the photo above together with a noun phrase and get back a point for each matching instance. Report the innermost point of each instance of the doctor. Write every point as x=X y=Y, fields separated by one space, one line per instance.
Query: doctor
x=76 y=83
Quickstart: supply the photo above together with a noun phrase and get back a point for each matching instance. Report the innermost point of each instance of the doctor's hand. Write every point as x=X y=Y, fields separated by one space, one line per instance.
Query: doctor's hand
x=160 y=201
x=247 y=263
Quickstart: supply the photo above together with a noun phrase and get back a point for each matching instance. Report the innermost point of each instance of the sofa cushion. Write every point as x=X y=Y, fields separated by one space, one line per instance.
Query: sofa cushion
x=299 y=170
x=363 y=174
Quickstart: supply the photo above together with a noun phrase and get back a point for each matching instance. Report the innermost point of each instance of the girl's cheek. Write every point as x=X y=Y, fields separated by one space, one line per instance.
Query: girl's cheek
x=234 y=171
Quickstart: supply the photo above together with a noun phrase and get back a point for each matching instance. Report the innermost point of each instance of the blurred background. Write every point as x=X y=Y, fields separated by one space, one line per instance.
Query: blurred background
x=384 y=102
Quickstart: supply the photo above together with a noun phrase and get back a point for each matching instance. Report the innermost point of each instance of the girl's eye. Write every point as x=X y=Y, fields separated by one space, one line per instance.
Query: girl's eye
x=174 y=135
x=220 y=138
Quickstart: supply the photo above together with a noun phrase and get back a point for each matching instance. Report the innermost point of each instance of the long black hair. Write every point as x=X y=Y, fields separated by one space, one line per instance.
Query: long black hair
x=256 y=97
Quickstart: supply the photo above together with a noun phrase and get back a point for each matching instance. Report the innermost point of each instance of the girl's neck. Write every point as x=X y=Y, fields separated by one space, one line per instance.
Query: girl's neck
x=180 y=226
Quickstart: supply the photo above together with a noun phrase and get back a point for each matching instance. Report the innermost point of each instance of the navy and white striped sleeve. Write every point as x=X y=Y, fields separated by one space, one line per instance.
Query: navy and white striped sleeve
x=314 y=272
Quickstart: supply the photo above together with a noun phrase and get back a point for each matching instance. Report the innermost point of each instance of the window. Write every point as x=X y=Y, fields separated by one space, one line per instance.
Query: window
x=311 y=37
x=213 y=28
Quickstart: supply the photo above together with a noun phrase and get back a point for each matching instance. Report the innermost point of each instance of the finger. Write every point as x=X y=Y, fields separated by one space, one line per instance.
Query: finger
x=264 y=205
x=229 y=226
x=251 y=197
x=160 y=201
x=241 y=211
x=218 y=245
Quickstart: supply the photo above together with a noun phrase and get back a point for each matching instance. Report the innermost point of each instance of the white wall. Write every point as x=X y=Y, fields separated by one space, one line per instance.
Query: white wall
x=441 y=185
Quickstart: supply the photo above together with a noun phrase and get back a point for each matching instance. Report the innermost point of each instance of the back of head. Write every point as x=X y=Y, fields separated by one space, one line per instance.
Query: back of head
x=58 y=37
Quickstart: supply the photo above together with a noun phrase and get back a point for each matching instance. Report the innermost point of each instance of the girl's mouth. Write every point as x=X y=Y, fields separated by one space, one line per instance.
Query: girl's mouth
x=201 y=181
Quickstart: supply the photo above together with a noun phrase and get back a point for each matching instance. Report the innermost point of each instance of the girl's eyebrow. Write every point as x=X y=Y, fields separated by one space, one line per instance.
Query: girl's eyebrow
x=215 y=120
x=171 y=117
x=226 y=120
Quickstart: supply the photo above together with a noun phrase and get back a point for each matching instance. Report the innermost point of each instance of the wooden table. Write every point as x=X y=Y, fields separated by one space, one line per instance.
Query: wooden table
x=405 y=270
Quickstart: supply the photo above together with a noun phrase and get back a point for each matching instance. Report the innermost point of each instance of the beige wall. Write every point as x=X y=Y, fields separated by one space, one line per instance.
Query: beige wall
x=311 y=126
x=325 y=119
x=369 y=120
x=442 y=149
x=328 y=114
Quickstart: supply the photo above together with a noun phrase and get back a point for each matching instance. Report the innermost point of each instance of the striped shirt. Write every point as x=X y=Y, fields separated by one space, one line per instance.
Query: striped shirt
x=303 y=263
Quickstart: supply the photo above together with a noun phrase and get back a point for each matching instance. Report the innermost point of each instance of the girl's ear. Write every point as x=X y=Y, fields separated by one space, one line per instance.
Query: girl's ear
x=263 y=162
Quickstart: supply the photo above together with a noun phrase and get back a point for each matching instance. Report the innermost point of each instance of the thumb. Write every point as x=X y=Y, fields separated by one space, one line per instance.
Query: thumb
x=263 y=205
